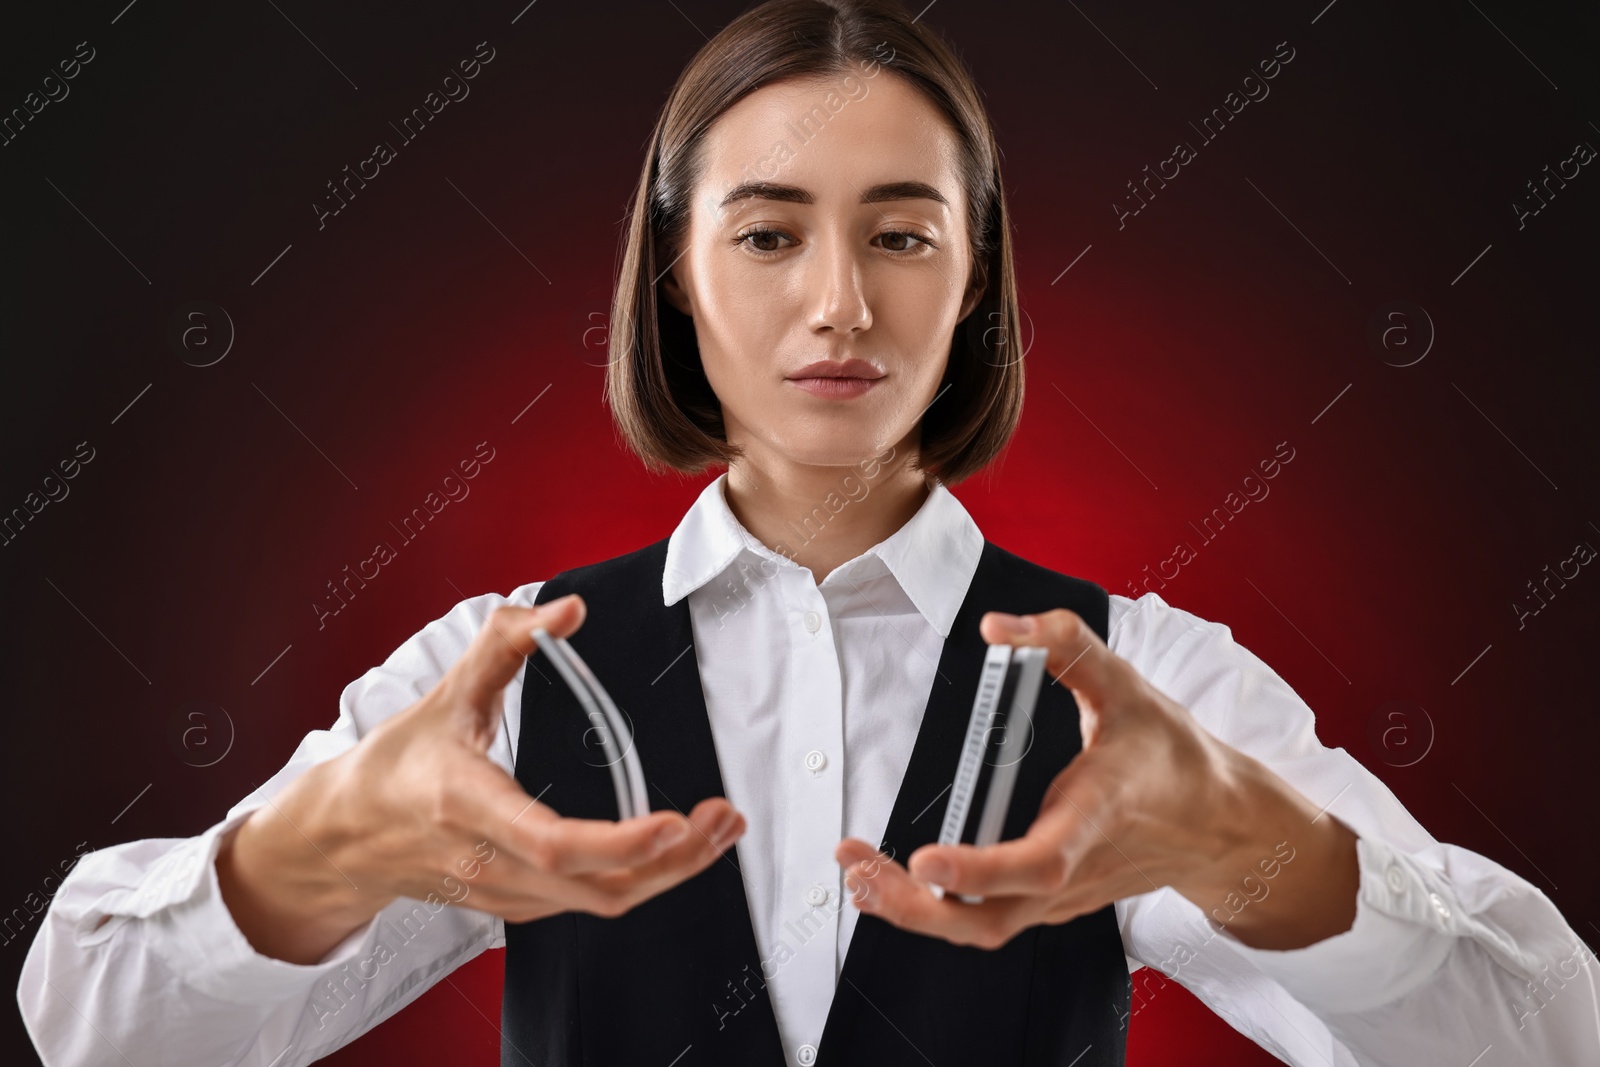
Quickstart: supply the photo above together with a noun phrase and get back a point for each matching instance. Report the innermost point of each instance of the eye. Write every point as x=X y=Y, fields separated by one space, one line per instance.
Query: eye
x=909 y=251
x=760 y=233
x=923 y=245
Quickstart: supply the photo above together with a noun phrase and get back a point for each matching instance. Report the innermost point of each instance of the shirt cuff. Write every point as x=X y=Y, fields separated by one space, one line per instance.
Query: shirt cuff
x=198 y=938
x=1405 y=927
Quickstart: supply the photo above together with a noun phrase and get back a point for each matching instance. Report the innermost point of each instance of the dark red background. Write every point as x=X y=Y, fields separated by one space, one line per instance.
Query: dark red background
x=1172 y=357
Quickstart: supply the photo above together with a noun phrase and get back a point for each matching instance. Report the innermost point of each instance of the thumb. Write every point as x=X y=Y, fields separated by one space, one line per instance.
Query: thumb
x=1076 y=658
x=504 y=643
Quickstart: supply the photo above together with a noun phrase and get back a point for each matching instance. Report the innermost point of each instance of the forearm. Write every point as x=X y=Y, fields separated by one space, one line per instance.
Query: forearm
x=135 y=925
x=1542 y=1008
x=142 y=924
x=1287 y=875
x=287 y=897
x=1382 y=945
x=1450 y=953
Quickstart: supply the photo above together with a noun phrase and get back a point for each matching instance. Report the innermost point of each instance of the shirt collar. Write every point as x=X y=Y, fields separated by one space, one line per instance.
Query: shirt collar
x=933 y=555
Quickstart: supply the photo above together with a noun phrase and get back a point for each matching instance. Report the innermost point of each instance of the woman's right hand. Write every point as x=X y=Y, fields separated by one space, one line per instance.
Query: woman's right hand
x=417 y=808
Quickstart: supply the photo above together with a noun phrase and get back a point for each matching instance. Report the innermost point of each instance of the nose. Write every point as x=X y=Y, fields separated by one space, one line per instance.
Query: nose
x=840 y=297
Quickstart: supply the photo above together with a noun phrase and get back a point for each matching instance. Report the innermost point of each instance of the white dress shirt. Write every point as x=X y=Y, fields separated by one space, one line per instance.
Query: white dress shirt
x=1452 y=959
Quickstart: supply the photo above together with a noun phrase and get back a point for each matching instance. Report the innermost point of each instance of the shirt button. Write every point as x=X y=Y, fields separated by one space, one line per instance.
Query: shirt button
x=815 y=760
x=813 y=623
x=816 y=896
x=1396 y=879
x=1440 y=906
x=806 y=1055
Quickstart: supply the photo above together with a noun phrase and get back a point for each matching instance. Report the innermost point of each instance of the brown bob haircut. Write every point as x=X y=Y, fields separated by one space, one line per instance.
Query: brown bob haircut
x=663 y=405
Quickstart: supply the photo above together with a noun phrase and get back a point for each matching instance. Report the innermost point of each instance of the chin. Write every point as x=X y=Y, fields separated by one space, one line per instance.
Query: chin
x=832 y=449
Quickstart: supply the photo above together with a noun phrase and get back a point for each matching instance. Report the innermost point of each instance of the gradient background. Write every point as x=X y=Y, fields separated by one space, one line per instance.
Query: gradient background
x=456 y=288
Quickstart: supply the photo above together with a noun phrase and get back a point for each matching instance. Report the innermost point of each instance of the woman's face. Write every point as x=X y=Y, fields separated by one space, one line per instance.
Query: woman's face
x=799 y=270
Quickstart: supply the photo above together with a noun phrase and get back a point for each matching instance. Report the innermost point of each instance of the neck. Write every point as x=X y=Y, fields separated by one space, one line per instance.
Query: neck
x=821 y=517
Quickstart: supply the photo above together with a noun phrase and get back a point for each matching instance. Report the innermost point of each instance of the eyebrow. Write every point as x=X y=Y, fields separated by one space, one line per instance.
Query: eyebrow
x=793 y=194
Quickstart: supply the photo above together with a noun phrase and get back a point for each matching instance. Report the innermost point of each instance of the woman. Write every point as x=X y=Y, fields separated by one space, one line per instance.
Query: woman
x=817 y=293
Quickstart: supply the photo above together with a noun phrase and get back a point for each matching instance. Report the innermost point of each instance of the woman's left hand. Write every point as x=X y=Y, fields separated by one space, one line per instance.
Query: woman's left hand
x=1152 y=800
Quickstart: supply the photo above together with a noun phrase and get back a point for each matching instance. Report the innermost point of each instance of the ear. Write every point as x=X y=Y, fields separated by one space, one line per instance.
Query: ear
x=975 y=290
x=675 y=293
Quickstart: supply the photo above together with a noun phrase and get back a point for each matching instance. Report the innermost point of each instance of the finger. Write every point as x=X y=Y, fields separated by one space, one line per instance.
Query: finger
x=504 y=643
x=518 y=890
x=656 y=843
x=518 y=893
x=678 y=863
x=492 y=804
x=889 y=892
x=1034 y=864
x=1077 y=658
x=854 y=850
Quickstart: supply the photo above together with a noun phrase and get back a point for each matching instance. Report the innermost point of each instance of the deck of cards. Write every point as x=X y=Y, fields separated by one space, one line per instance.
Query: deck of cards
x=998 y=734
x=627 y=775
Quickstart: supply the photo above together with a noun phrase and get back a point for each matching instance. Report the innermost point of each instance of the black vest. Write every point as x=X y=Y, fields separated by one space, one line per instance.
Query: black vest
x=677 y=980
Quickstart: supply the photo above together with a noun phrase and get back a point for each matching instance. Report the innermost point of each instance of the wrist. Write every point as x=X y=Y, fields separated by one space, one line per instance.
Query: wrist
x=287 y=896
x=1233 y=814
x=1287 y=875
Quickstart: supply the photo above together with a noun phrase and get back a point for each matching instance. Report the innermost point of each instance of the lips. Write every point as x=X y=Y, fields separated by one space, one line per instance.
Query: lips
x=828 y=368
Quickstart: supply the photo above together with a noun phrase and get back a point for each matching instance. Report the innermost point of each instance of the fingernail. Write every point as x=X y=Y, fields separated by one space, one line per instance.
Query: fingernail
x=1015 y=624
x=671 y=835
x=935 y=871
x=859 y=893
x=724 y=829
